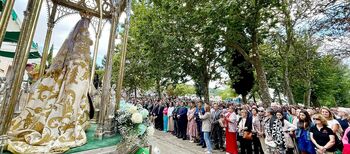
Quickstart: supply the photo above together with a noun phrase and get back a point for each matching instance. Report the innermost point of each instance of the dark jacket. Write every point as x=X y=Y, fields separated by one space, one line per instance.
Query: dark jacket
x=196 y=114
x=155 y=109
x=182 y=112
x=248 y=123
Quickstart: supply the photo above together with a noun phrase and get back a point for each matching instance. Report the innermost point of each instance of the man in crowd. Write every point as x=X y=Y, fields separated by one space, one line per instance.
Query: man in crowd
x=343 y=118
x=176 y=120
x=199 y=109
x=261 y=136
x=160 y=115
x=32 y=74
x=157 y=112
x=182 y=121
x=217 y=129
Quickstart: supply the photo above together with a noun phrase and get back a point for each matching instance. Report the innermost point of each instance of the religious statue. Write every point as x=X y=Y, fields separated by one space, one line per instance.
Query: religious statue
x=57 y=113
x=111 y=105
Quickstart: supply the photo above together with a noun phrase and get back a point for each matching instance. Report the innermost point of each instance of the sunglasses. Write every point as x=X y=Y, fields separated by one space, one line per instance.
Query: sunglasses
x=316 y=119
x=261 y=111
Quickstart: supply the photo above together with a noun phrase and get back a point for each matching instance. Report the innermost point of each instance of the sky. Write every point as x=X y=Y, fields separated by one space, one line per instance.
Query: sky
x=62 y=29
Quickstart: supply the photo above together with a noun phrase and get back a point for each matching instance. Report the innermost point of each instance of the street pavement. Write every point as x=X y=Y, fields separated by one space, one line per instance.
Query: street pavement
x=169 y=144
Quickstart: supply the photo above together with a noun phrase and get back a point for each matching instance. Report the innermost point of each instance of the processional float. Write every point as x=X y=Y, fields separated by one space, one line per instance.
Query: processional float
x=103 y=11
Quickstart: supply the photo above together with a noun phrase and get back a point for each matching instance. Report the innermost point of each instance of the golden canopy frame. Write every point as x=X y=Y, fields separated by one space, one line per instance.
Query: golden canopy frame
x=106 y=10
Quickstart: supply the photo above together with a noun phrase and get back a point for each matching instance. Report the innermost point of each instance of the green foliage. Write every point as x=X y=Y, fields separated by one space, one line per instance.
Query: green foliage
x=184 y=89
x=100 y=73
x=329 y=78
x=331 y=82
x=136 y=71
x=227 y=93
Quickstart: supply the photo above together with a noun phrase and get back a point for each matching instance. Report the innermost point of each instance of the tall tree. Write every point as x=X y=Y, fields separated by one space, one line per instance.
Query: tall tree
x=49 y=57
x=195 y=41
x=241 y=74
x=245 y=21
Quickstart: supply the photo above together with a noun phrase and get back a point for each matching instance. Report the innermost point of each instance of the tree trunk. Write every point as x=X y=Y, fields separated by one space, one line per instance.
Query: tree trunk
x=259 y=68
x=279 y=96
x=206 y=91
x=135 y=92
x=289 y=42
x=254 y=97
x=158 y=89
x=307 y=95
x=288 y=90
x=263 y=86
x=244 y=99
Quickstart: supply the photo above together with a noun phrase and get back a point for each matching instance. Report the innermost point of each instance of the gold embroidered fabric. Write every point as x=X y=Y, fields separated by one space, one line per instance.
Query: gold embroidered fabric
x=56 y=116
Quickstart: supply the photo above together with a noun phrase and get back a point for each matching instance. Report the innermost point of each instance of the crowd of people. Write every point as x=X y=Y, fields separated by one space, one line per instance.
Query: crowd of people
x=250 y=128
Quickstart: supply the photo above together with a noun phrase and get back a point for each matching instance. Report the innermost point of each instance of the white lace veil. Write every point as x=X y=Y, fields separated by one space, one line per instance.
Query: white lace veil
x=67 y=47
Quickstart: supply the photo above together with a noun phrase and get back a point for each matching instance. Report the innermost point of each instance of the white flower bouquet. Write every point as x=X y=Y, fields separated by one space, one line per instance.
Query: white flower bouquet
x=132 y=122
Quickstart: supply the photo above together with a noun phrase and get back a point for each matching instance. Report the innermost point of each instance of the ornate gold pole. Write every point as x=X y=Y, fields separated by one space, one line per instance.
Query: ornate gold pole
x=50 y=26
x=123 y=55
x=22 y=52
x=107 y=76
x=4 y=20
x=97 y=42
x=10 y=77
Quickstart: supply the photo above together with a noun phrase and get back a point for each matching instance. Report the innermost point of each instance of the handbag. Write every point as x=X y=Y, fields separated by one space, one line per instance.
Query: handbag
x=248 y=135
x=271 y=143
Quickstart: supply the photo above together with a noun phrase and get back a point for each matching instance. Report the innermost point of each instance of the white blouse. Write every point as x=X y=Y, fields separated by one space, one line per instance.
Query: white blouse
x=170 y=111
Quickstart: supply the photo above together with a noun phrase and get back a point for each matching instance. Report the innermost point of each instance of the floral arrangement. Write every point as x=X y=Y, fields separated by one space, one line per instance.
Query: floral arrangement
x=132 y=122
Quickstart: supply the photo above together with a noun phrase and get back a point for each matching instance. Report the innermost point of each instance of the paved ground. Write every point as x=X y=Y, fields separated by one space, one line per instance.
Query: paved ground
x=169 y=144
x=165 y=142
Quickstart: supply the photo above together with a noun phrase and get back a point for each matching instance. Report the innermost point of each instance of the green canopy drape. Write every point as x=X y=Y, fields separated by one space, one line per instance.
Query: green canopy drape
x=11 y=37
x=9 y=54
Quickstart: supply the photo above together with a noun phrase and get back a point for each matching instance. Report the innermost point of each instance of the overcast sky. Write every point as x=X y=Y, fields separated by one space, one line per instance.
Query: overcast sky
x=61 y=29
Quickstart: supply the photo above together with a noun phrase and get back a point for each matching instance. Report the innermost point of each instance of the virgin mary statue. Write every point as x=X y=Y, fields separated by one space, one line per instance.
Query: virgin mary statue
x=56 y=116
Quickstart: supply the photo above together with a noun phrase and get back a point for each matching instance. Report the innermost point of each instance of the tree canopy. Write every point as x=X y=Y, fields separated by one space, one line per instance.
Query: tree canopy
x=283 y=46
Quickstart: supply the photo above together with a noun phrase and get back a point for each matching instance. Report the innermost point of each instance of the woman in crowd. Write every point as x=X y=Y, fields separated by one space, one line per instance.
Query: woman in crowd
x=192 y=125
x=231 y=127
x=256 y=128
x=322 y=136
x=332 y=122
x=268 y=124
x=170 y=117
x=261 y=133
x=346 y=139
x=245 y=132
x=206 y=127
x=292 y=118
x=304 y=124
x=281 y=133
x=165 y=118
